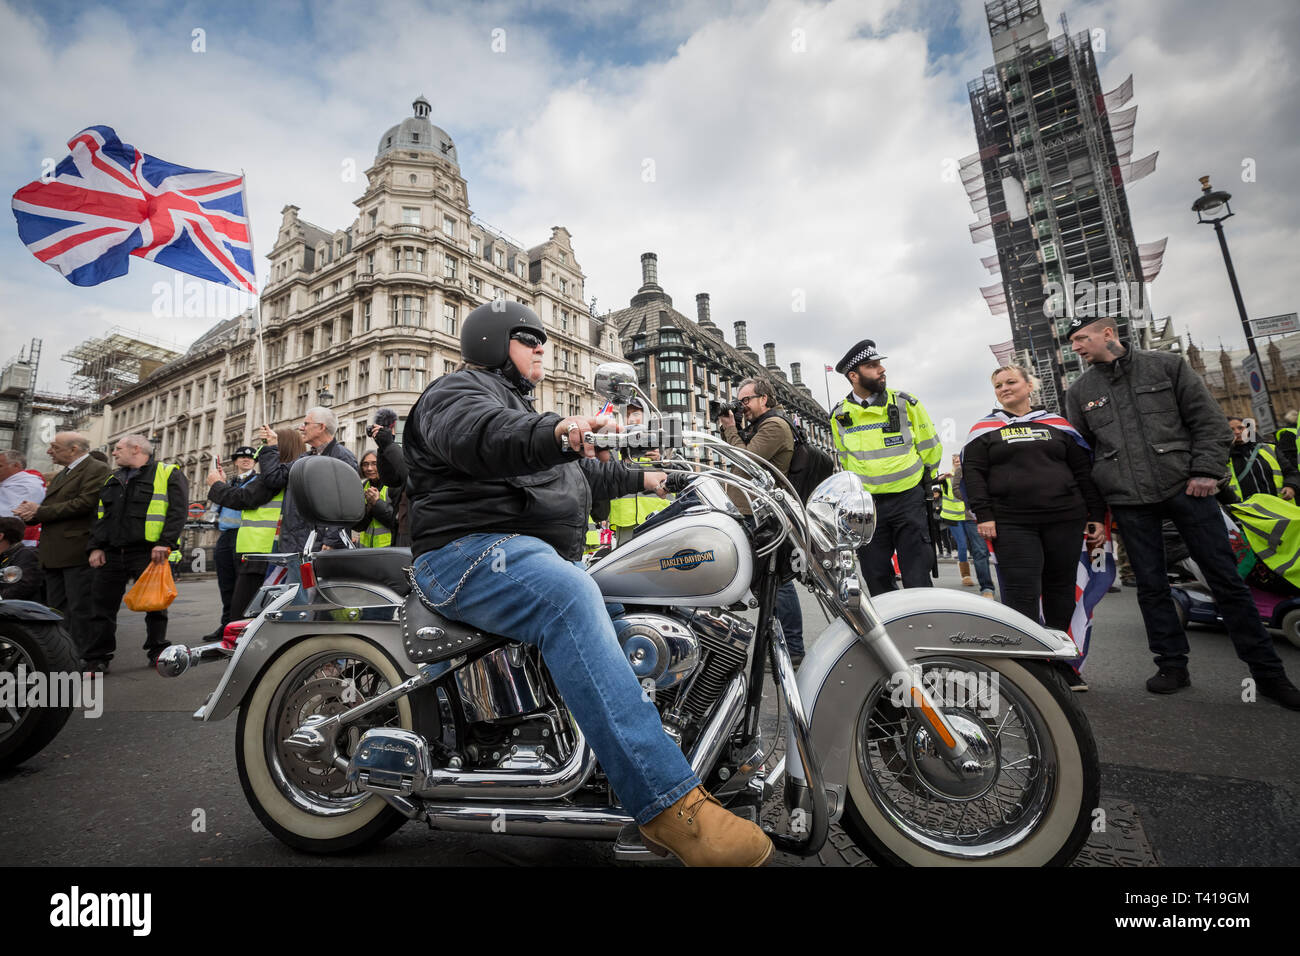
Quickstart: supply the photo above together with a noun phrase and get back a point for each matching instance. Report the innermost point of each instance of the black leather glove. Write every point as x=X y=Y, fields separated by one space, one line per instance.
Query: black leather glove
x=384 y=438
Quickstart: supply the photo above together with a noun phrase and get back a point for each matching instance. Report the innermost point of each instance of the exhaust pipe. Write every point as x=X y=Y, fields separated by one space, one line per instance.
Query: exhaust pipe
x=578 y=823
x=175 y=659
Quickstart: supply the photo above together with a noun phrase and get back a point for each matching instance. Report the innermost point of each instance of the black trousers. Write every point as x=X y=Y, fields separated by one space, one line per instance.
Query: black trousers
x=121 y=565
x=247 y=583
x=1201 y=525
x=227 y=570
x=902 y=525
x=67 y=590
x=1040 y=560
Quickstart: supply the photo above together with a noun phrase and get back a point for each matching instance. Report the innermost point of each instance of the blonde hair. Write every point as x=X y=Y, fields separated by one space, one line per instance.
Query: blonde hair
x=1035 y=383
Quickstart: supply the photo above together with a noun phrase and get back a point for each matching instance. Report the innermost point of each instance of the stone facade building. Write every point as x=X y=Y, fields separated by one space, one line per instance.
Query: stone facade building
x=1281 y=367
x=366 y=316
x=684 y=364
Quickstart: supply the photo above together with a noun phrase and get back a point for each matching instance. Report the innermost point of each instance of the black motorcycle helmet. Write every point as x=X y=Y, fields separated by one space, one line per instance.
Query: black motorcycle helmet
x=485 y=334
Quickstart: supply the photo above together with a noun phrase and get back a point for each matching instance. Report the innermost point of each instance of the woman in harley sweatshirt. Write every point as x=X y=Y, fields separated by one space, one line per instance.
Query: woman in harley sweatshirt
x=1028 y=481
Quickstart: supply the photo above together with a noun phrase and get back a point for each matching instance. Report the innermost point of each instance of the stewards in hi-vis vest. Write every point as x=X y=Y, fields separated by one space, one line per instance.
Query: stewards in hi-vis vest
x=380 y=520
x=886 y=437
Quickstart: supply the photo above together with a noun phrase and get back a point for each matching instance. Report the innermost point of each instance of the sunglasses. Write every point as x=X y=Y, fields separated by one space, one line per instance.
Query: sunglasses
x=527 y=339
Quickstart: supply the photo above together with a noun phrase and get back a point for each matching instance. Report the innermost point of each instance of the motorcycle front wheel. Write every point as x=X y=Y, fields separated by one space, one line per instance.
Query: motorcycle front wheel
x=36 y=648
x=1031 y=803
x=309 y=805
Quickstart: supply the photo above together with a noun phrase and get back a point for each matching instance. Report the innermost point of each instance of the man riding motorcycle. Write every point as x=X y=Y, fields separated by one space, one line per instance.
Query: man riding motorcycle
x=499 y=498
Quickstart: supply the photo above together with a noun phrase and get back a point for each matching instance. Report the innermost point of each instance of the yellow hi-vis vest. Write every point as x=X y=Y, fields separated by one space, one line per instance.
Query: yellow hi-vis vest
x=1268 y=455
x=630 y=510
x=257 y=527
x=951 y=508
x=377 y=534
x=888 y=459
x=1272 y=528
x=156 y=515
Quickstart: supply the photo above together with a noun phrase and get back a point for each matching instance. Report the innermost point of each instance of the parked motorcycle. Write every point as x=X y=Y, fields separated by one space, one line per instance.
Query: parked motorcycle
x=930 y=723
x=34 y=647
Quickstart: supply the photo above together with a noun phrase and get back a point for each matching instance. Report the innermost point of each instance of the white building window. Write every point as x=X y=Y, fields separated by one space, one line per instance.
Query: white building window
x=449 y=226
x=411 y=215
x=449 y=318
x=499 y=257
x=449 y=267
x=474 y=246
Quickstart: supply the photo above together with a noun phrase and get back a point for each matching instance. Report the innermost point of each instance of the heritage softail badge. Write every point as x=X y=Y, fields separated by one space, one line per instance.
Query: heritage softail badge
x=1001 y=640
x=685 y=560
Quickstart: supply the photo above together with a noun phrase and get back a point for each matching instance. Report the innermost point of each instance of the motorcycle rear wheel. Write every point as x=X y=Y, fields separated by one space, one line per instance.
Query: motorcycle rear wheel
x=37 y=647
x=1042 y=800
x=306 y=805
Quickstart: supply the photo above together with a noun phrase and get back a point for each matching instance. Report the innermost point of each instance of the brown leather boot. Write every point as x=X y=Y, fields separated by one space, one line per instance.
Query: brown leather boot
x=966 y=581
x=699 y=831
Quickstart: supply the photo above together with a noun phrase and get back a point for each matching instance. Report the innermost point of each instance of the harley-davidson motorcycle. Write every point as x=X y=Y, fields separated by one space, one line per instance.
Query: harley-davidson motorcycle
x=931 y=724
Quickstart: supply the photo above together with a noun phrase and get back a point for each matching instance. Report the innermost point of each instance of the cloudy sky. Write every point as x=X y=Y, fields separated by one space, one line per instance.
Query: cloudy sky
x=798 y=150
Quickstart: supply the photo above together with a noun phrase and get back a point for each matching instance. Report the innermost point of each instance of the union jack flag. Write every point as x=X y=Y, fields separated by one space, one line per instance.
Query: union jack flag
x=107 y=200
x=607 y=410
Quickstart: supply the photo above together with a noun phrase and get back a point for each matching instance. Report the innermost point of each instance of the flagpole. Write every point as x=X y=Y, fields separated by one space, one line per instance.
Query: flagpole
x=827 y=382
x=257 y=301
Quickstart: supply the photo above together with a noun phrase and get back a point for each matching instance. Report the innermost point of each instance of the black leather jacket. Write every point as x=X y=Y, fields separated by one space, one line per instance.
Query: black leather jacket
x=480 y=459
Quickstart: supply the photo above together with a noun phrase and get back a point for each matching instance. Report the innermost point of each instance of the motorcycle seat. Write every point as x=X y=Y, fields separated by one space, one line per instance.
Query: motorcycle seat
x=383 y=566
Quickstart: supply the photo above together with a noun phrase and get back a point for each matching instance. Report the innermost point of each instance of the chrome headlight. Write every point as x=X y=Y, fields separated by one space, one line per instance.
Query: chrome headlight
x=841 y=512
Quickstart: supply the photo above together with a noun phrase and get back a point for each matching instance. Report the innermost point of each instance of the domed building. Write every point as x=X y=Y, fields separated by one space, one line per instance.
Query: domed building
x=366 y=315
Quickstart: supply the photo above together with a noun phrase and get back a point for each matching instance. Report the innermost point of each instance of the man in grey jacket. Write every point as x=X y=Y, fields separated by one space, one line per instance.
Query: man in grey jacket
x=1160 y=445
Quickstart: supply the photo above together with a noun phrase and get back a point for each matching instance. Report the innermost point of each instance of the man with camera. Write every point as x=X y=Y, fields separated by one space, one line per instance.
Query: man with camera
x=392 y=470
x=768 y=435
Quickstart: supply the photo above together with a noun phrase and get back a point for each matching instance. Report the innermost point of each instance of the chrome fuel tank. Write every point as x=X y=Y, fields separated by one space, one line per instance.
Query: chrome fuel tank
x=700 y=559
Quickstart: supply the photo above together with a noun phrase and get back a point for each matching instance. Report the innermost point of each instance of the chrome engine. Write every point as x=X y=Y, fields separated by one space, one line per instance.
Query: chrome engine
x=724 y=641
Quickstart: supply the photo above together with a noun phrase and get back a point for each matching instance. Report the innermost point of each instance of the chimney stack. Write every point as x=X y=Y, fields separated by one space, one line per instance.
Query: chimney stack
x=702 y=308
x=769 y=355
x=741 y=342
x=796 y=376
x=649 y=269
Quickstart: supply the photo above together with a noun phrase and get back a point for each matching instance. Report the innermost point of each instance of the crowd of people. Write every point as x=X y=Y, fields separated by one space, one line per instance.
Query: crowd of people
x=1142 y=441
x=480 y=472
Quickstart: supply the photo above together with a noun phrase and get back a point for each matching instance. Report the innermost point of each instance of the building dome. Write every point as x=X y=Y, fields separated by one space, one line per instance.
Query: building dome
x=417 y=133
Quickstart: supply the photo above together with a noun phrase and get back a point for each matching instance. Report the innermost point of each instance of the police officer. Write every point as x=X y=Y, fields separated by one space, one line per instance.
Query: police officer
x=260 y=502
x=141 y=514
x=223 y=555
x=886 y=437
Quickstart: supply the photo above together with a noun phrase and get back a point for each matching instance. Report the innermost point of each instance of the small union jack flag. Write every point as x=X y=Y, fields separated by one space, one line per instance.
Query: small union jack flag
x=107 y=200
x=607 y=410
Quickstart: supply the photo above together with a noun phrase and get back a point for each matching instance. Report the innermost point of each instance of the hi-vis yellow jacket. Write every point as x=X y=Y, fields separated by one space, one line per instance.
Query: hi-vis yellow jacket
x=890 y=445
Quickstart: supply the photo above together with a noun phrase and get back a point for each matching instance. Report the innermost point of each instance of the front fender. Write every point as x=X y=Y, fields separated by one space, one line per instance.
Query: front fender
x=284 y=623
x=839 y=671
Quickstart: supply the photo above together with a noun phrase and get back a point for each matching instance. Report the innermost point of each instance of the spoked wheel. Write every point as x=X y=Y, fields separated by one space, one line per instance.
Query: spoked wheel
x=1025 y=798
x=308 y=803
x=32 y=649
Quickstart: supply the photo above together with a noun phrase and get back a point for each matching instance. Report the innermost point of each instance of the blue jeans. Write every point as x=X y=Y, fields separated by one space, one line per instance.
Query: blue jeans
x=517 y=586
x=967 y=535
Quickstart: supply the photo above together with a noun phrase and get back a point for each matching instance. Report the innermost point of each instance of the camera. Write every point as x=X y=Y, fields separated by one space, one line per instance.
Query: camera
x=718 y=409
x=383 y=419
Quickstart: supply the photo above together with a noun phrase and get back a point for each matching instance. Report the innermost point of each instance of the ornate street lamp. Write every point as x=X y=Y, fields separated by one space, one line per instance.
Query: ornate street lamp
x=325 y=397
x=1212 y=207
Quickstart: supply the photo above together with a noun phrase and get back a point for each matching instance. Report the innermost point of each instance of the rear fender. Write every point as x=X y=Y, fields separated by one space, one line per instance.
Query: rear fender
x=839 y=671
x=284 y=623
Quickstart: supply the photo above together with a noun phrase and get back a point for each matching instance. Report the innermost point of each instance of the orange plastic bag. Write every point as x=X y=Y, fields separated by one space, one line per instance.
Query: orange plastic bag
x=153 y=590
